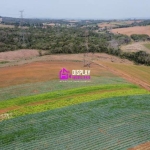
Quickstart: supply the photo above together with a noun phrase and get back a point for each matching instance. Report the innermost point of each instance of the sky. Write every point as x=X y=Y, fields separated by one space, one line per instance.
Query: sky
x=76 y=9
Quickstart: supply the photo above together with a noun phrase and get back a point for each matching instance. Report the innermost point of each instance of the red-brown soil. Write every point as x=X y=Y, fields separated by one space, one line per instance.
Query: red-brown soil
x=42 y=71
x=144 y=146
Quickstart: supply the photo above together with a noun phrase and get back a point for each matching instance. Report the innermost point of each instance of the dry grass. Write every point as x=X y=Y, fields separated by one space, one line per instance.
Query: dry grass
x=6 y=26
x=140 y=72
x=18 y=54
x=133 y=30
x=137 y=46
x=63 y=57
x=103 y=25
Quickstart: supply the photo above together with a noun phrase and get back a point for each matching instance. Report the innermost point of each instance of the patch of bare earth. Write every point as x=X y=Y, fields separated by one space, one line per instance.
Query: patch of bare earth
x=144 y=146
x=42 y=71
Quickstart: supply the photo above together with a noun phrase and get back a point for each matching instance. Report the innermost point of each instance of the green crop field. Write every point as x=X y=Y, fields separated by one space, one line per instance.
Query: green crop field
x=39 y=103
x=115 y=123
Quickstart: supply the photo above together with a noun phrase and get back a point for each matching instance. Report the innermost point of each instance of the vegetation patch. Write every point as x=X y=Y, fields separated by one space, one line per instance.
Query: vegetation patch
x=147 y=46
x=4 y=62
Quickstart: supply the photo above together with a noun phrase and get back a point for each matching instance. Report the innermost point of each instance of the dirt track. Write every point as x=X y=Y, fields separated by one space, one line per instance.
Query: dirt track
x=125 y=76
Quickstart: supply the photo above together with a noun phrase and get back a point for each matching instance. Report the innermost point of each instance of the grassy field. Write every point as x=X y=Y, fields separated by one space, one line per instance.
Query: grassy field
x=133 y=30
x=112 y=123
x=147 y=45
x=137 y=46
x=134 y=71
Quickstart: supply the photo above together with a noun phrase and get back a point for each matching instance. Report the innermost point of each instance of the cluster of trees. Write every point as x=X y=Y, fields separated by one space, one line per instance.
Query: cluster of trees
x=140 y=57
x=140 y=37
x=57 y=39
x=135 y=23
x=67 y=40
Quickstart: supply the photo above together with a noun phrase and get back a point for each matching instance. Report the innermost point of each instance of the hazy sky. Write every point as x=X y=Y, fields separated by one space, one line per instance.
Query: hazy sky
x=82 y=9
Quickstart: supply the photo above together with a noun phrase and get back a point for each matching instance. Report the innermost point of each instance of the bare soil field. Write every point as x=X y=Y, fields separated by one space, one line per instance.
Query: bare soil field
x=43 y=71
x=132 y=30
x=145 y=146
x=137 y=46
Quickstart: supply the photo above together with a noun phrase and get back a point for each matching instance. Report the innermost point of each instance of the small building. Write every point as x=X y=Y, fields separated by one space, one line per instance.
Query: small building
x=45 y=25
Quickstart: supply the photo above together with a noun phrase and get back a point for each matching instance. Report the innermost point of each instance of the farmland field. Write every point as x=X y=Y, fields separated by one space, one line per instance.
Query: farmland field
x=74 y=75
x=53 y=85
x=42 y=71
x=133 y=30
x=113 y=123
x=34 y=104
x=37 y=111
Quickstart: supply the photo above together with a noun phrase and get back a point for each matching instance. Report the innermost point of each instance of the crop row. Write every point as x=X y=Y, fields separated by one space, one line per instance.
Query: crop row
x=53 y=85
x=40 y=103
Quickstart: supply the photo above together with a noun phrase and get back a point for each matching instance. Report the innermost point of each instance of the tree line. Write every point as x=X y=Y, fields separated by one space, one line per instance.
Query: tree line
x=57 y=40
